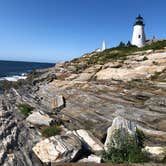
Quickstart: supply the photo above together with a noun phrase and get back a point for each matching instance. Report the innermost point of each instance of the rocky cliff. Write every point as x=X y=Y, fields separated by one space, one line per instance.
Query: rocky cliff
x=83 y=97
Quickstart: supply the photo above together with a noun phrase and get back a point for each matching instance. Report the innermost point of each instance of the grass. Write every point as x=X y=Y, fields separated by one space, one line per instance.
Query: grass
x=50 y=131
x=155 y=46
x=25 y=109
x=118 y=53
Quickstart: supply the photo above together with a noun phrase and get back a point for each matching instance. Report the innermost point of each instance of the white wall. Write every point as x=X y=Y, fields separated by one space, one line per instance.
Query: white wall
x=138 y=38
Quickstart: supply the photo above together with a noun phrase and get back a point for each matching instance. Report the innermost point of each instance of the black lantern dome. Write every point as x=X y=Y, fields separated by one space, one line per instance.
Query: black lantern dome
x=139 y=21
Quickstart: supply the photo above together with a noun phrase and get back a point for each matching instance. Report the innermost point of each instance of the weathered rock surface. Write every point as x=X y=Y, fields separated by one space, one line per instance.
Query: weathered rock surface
x=37 y=118
x=64 y=148
x=52 y=101
x=86 y=98
x=134 y=69
x=16 y=139
x=119 y=123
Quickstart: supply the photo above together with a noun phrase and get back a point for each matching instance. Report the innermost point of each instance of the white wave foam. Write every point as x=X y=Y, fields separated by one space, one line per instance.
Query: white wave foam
x=13 y=78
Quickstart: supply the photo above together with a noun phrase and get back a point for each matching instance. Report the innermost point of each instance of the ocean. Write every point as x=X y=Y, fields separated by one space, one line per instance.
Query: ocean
x=14 y=70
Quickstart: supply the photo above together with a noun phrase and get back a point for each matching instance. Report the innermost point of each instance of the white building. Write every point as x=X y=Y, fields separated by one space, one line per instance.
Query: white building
x=138 y=37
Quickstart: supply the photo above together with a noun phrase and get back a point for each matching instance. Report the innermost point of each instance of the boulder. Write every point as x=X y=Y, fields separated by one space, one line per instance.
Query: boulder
x=119 y=123
x=64 y=148
x=90 y=141
x=91 y=159
x=37 y=118
x=156 y=151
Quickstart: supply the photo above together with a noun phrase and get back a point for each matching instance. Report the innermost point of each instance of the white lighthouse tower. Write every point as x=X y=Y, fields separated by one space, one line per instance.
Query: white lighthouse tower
x=103 y=45
x=139 y=38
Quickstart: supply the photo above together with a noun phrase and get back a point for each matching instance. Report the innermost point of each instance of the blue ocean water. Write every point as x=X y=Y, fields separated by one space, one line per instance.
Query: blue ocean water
x=15 y=68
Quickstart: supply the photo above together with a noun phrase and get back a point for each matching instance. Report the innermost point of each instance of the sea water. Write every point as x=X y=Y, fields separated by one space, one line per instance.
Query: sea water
x=14 y=70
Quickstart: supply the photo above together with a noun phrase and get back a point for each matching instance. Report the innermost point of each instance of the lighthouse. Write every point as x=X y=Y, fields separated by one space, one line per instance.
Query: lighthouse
x=103 y=45
x=139 y=38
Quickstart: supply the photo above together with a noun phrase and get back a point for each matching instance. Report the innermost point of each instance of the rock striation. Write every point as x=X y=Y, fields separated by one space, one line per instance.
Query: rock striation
x=90 y=100
x=16 y=139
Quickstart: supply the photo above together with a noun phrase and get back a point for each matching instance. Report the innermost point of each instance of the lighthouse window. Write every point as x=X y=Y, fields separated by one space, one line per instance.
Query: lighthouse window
x=139 y=36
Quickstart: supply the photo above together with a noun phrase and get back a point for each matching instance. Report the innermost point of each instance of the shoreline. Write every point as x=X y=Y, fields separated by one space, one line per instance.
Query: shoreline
x=14 y=78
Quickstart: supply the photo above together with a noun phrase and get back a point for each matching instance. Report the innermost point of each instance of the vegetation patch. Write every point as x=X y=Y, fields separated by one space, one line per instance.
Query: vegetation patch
x=155 y=63
x=155 y=45
x=50 y=131
x=25 y=109
x=164 y=153
x=145 y=58
x=125 y=148
x=120 y=52
x=156 y=75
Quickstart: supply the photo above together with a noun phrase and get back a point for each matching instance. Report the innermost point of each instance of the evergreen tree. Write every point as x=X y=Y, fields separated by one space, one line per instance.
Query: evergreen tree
x=121 y=44
x=129 y=44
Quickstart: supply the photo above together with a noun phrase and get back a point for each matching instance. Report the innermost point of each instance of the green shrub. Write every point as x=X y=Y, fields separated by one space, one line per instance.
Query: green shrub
x=145 y=58
x=25 y=109
x=155 y=63
x=141 y=138
x=155 y=75
x=155 y=45
x=120 y=52
x=125 y=148
x=50 y=131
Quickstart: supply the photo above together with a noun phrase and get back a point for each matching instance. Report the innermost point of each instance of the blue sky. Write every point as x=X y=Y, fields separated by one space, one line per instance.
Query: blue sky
x=58 y=30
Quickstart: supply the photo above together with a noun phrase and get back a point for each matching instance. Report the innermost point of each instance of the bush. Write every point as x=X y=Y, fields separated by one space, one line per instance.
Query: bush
x=120 y=52
x=125 y=148
x=155 y=75
x=155 y=63
x=140 y=138
x=145 y=58
x=155 y=45
x=50 y=131
x=25 y=109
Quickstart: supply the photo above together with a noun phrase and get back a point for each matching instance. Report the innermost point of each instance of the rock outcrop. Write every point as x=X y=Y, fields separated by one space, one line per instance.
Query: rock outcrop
x=91 y=100
x=16 y=139
x=134 y=69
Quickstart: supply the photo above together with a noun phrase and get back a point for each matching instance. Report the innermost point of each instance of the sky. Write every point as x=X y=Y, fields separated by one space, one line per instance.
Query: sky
x=59 y=30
